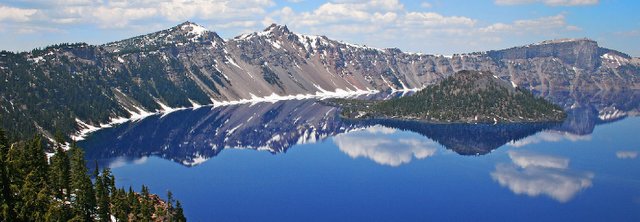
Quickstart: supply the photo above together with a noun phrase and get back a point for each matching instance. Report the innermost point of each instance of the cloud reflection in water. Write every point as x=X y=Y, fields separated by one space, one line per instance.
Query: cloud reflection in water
x=625 y=154
x=377 y=144
x=549 y=136
x=535 y=174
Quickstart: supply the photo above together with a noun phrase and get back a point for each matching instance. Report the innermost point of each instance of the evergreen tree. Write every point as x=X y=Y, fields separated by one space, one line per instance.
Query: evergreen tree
x=134 y=203
x=121 y=208
x=33 y=189
x=146 y=206
x=60 y=183
x=179 y=213
x=102 y=198
x=6 y=203
x=58 y=211
x=33 y=192
x=169 y=206
x=60 y=174
x=35 y=199
x=85 y=200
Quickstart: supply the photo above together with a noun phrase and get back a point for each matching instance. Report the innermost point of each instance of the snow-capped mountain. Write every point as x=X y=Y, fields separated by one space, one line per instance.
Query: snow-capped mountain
x=70 y=87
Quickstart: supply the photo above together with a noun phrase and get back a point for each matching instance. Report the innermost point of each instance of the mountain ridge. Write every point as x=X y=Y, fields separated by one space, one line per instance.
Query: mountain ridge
x=72 y=86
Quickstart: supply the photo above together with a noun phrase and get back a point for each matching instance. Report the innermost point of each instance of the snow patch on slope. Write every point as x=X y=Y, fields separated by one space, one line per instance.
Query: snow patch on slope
x=613 y=58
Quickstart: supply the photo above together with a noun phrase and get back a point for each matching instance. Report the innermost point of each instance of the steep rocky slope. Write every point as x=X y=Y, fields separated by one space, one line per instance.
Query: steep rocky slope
x=74 y=86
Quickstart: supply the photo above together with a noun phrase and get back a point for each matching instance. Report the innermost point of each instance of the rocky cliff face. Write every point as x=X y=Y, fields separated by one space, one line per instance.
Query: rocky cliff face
x=71 y=86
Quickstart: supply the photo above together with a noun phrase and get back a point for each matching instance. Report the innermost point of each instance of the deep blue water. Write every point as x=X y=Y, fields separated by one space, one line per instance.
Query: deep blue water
x=296 y=161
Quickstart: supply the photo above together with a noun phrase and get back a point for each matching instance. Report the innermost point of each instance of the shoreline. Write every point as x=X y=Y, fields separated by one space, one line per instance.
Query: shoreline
x=86 y=129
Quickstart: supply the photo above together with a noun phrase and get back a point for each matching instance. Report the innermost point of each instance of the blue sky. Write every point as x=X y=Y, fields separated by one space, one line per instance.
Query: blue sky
x=432 y=26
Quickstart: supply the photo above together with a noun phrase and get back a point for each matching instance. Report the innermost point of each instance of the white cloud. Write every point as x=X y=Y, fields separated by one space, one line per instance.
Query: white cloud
x=16 y=14
x=376 y=144
x=573 y=28
x=35 y=29
x=386 y=4
x=122 y=13
x=377 y=23
x=179 y=10
x=392 y=25
x=108 y=17
x=341 y=13
x=548 y=2
x=389 y=5
x=535 y=174
x=432 y=19
x=627 y=154
x=245 y=24
x=629 y=33
x=538 y=25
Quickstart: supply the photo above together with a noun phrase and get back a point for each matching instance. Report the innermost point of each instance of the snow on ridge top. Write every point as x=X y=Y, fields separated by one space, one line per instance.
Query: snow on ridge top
x=563 y=40
x=194 y=29
x=310 y=42
x=360 y=46
x=268 y=32
x=443 y=56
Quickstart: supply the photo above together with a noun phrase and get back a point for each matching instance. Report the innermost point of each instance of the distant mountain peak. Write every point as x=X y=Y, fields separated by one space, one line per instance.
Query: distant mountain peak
x=192 y=28
x=187 y=23
x=273 y=30
x=184 y=33
x=276 y=30
x=276 y=27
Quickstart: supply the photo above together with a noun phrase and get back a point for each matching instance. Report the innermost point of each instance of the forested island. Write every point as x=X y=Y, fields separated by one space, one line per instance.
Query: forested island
x=34 y=187
x=465 y=97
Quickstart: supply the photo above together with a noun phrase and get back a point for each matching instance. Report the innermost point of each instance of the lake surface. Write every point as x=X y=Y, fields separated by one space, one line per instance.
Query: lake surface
x=297 y=161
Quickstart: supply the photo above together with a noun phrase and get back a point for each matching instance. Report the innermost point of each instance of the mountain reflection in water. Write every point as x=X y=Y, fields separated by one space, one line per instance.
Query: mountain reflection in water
x=584 y=169
x=190 y=137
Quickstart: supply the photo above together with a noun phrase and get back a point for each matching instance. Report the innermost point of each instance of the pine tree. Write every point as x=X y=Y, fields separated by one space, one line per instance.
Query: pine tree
x=16 y=172
x=179 y=213
x=169 y=206
x=85 y=200
x=35 y=198
x=102 y=198
x=60 y=183
x=33 y=193
x=6 y=197
x=134 y=203
x=145 y=205
x=121 y=208
x=33 y=189
x=38 y=159
x=58 y=211
x=60 y=174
